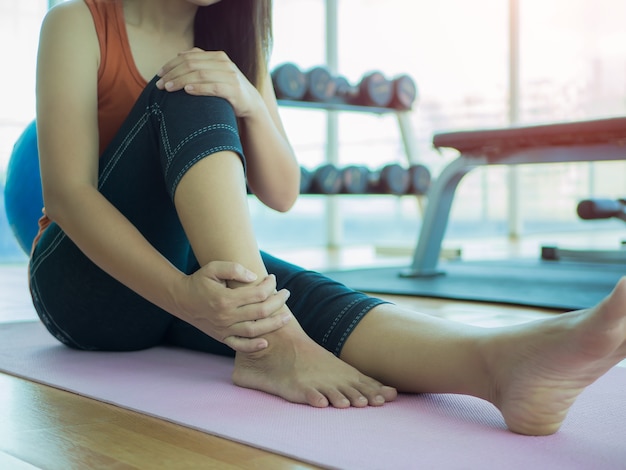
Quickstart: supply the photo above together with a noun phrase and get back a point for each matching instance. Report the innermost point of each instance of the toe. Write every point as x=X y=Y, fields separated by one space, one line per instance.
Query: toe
x=376 y=393
x=357 y=399
x=337 y=398
x=317 y=399
x=389 y=393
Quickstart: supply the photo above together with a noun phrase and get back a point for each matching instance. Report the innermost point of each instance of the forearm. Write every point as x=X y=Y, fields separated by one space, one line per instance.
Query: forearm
x=106 y=237
x=273 y=172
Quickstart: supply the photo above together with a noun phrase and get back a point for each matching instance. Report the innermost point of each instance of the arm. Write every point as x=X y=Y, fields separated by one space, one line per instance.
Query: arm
x=68 y=142
x=273 y=171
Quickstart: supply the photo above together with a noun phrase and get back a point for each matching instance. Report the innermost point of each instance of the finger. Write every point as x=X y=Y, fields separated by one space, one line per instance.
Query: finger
x=228 y=271
x=175 y=79
x=208 y=72
x=178 y=60
x=202 y=79
x=173 y=74
x=184 y=65
x=245 y=345
x=255 y=296
x=169 y=66
x=265 y=308
x=254 y=329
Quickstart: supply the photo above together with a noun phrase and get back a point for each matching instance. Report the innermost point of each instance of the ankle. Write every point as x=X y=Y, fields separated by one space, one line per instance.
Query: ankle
x=290 y=334
x=492 y=352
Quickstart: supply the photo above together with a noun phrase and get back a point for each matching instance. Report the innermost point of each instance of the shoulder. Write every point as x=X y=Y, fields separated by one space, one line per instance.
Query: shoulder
x=68 y=29
x=72 y=17
x=69 y=10
x=68 y=52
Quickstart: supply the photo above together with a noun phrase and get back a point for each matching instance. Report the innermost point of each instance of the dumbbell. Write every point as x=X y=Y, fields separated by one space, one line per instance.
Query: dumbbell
x=373 y=90
x=289 y=82
x=320 y=85
x=345 y=92
x=404 y=92
x=326 y=179
x=592 y=209
x=390 y=179
x=355 y=179
x=419 y=180
x=306 y=178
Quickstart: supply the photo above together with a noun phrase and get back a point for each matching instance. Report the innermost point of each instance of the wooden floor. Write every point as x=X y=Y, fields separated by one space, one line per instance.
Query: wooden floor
x=42 y=427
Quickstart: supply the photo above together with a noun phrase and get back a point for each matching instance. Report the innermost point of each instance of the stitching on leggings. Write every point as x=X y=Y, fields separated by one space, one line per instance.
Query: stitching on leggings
x=141 y=122
x=171 y=153
x=338 y=319
x=204 y=130
x=352 y=324
x=165 y=141
x=197 y=158
x=47 y=252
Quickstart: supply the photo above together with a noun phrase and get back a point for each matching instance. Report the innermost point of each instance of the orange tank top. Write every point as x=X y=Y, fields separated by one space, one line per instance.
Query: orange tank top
x=119 y=81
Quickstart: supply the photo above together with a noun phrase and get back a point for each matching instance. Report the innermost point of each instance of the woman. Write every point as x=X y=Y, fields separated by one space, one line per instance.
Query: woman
x=147 y=232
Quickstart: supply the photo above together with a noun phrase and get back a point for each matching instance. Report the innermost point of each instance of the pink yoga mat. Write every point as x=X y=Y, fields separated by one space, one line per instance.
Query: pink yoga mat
x=415 y=432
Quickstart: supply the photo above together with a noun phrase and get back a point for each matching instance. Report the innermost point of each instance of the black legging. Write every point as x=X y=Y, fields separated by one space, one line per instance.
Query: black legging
x=163 y=136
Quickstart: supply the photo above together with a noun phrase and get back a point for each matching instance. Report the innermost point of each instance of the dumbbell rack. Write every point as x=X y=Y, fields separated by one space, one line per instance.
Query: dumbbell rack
x=403 y=118
x=406 y=132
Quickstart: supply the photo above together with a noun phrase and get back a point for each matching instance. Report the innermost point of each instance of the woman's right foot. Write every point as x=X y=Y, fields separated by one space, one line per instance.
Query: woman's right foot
x=297 y=369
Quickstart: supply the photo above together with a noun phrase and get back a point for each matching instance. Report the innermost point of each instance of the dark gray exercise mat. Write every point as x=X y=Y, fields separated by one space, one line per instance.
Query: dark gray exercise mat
x=548 y=284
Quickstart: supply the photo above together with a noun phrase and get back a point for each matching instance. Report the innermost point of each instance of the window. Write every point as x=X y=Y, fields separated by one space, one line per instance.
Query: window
x=19 y=34
x=572 y=66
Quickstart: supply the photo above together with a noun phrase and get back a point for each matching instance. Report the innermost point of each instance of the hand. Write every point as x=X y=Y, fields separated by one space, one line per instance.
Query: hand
x=210 y=73
x=237 y=317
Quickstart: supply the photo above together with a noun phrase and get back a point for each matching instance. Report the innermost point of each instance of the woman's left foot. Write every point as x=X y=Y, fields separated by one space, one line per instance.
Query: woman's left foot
x=535 y=384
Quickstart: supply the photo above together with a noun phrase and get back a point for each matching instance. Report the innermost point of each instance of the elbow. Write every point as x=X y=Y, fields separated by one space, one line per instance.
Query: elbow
x=290 y=194
x=59 y=203
x=51 y=204
x=279 y=195
x=285 y=204
x=282 y=201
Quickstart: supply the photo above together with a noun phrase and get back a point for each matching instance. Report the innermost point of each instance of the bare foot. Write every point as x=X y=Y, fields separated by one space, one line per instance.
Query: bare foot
x=297 y=369
x=535 y=384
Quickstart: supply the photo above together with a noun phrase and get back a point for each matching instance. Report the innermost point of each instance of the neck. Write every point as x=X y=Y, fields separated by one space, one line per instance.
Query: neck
x=161 y=16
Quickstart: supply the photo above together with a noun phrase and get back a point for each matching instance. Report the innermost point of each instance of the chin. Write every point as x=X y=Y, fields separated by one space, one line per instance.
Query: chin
x=203 y=3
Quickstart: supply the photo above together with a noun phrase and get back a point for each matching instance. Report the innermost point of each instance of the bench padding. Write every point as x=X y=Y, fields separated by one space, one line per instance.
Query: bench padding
x=499 y=142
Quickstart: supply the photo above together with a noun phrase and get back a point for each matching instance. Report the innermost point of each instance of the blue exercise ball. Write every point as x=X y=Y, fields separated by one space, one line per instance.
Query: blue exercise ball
x=23 y=199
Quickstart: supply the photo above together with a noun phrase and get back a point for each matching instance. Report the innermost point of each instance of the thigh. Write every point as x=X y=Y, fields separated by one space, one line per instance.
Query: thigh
x=79 y=303
x=85 y=308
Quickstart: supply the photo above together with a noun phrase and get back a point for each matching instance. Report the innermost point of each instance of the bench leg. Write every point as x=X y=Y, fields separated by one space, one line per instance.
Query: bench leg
x=440 y=197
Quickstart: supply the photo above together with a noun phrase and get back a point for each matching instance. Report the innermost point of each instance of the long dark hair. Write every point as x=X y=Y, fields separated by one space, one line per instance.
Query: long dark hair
x=242 y=29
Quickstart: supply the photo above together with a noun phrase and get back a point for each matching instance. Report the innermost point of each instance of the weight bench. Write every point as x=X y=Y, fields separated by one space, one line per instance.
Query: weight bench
x=597 y=140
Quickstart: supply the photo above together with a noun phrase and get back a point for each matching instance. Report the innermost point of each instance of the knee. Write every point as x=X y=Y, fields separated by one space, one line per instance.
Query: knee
x=185 y=142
